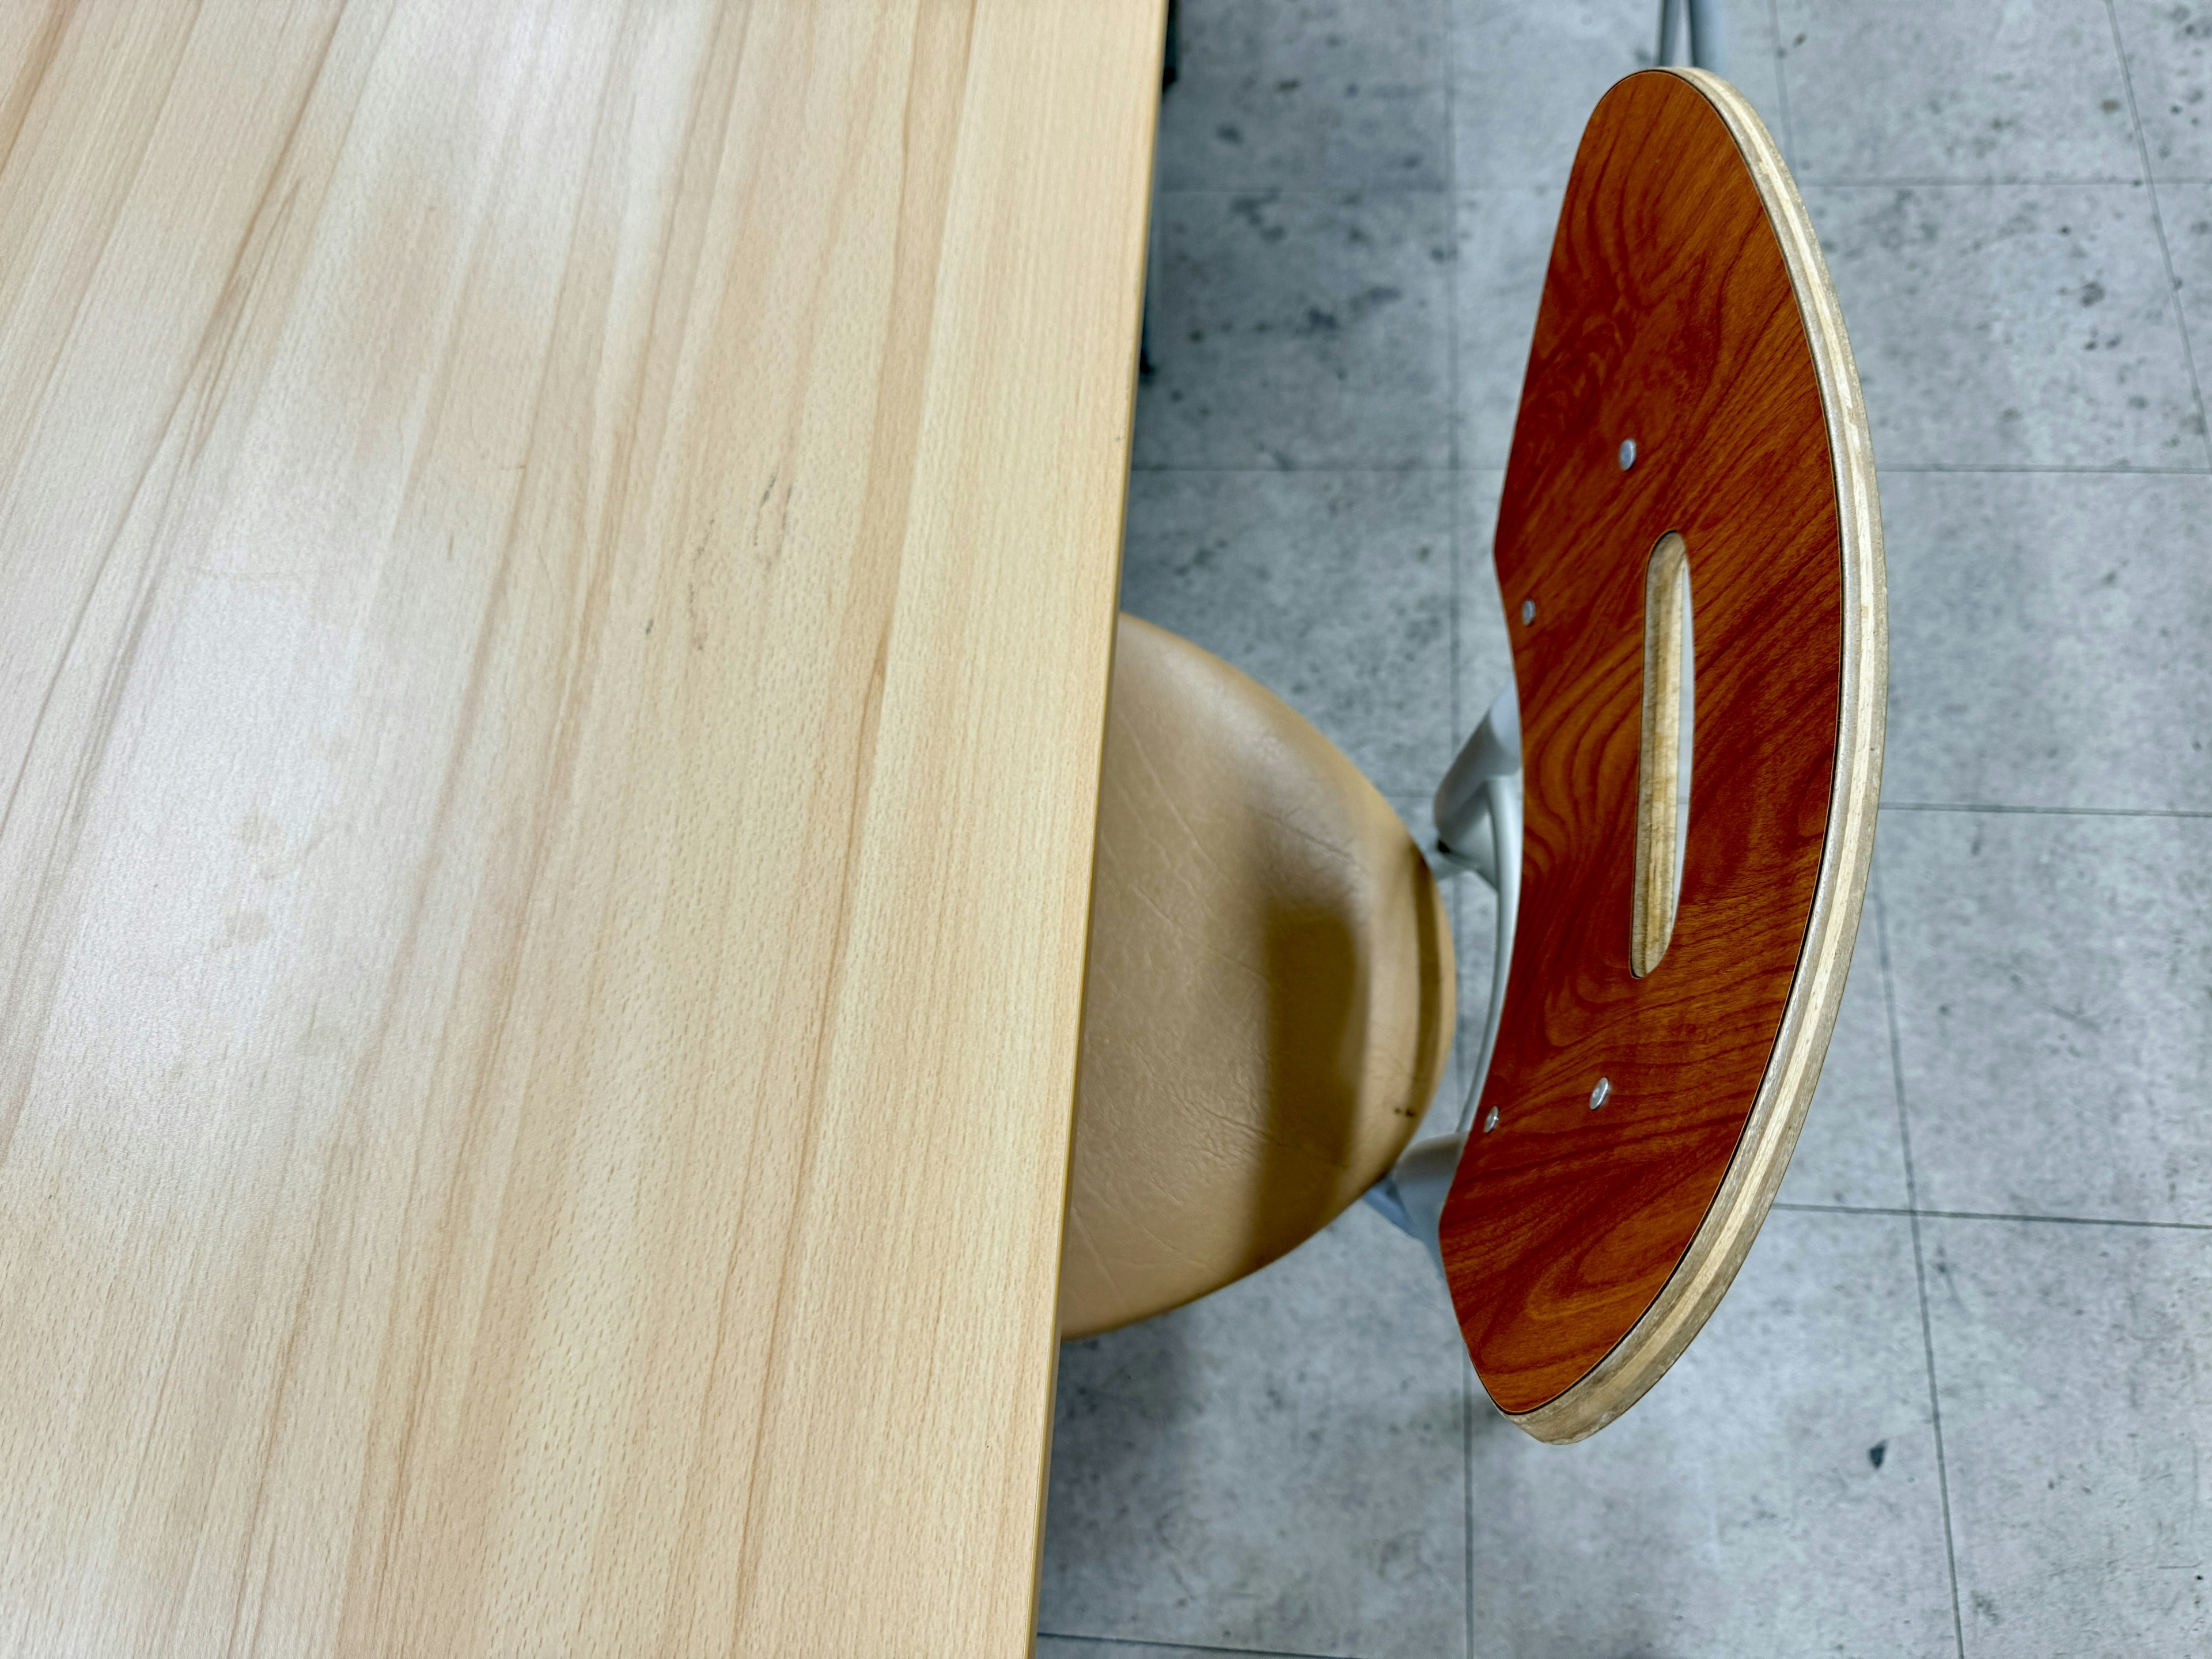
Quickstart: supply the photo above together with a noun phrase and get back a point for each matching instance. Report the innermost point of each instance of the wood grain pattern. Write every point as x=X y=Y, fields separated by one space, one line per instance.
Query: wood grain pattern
x=1687 y=307
x=557 y=570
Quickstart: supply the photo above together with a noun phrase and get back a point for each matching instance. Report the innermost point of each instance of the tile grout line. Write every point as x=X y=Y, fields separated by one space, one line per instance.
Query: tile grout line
x=1937 y=181
x=1450 y=14
x=1964 y=469
x=1781 y=86
x=2158 y=223
x=1363 y=467
x=1281 y=192
x=2047 y=811
x=1458 y=574
x=1183 y=1647
x=1997 y=1215
x=1458 y=582
x=1937 y=469
x=1919 y=1260
x=1278 y=191
x=1467 y=1483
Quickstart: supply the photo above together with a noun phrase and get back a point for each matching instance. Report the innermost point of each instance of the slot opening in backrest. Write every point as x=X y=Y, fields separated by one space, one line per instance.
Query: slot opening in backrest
x=1663 y=771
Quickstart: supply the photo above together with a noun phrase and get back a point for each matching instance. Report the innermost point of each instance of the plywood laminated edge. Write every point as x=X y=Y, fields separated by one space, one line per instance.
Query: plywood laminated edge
x=1746 y=1192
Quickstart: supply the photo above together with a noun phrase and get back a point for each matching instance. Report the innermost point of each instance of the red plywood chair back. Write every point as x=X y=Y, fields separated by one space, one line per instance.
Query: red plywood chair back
x=1643 y=1121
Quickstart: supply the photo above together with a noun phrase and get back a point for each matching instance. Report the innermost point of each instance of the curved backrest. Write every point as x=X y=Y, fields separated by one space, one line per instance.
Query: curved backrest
x=1687 y=309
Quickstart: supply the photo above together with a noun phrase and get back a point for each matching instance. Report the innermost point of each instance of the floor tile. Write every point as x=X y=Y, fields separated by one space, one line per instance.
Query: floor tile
x=1296 y=330
x=2075 y=1366
x=1851 y=1150
x=1307 y=94
x=1776 y=1493
x=1900 y=89
x=1075 y=1646
x=1082 y=1647
x=1486 y=651
x=1525 y=78
x=1277 y=1466
x=2046 y=641
x=1504 y=248
x=1079 y=1647
x=2187 y=209
x=2169 y=49
x=2011 y=326
x=2053 y=1018
x=1332 y=589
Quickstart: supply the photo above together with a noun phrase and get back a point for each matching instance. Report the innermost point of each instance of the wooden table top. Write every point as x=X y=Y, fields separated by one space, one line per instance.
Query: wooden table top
x=557 y=566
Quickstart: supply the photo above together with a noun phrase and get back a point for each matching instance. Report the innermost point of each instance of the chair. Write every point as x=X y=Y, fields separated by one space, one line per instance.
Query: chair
x=1270 y=993
x=1689 y=550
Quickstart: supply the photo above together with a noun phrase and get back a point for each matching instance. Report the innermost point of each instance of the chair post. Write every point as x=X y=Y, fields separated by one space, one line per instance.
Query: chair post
x=1483 y=786
x=1707 y=49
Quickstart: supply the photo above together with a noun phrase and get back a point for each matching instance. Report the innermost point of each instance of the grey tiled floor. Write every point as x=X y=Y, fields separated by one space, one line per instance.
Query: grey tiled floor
x=1959 y=1400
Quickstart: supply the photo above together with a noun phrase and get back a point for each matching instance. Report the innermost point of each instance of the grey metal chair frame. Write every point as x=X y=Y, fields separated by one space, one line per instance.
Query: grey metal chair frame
x=1701 y=22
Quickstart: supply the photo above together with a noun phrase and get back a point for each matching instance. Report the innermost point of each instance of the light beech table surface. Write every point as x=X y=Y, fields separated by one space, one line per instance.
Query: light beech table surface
x=557 y=568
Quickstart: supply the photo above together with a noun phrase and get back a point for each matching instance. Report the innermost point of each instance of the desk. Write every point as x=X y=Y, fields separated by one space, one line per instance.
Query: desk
x=557 y=564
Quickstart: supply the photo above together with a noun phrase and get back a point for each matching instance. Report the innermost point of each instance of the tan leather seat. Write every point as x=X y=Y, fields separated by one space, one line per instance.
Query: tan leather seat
x=1270 y=993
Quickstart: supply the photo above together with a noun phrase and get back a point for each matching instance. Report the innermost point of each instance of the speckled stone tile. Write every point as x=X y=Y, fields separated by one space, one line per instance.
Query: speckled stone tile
x=2073 y=1367
x=2186 y=209
x=1898 y=90
x=2046 y=641
x=1776 y=1493
x=1504 y=248
x=1078 y=1647
x=1277 y=1467
x=1307 y=94
x=2011 y=326
x=1851 y=1150
x=1485 y=649
x=2051 y=975
x=1299 y=330
x=2169 y=48
x=1332 y=589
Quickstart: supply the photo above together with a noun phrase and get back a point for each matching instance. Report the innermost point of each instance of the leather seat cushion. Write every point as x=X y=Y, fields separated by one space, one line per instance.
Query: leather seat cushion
x=1270 y=993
